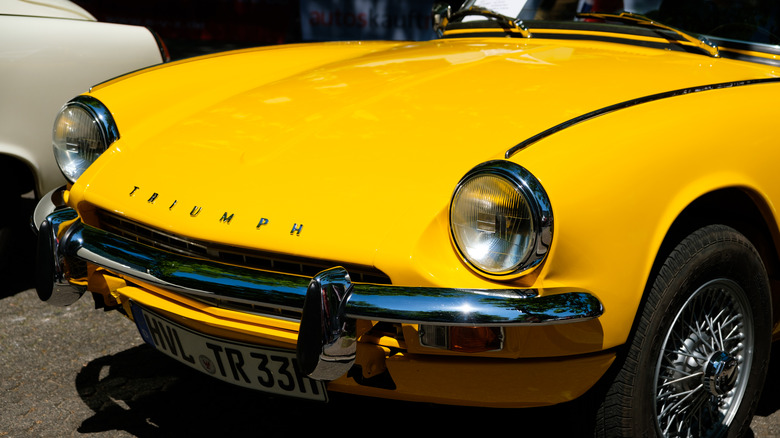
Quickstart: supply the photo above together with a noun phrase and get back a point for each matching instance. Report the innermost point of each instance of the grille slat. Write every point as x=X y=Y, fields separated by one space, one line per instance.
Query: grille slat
x=268 y=261
x=242 y=306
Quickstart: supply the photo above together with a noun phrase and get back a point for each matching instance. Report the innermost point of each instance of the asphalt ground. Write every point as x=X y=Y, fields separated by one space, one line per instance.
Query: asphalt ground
x=76 y=371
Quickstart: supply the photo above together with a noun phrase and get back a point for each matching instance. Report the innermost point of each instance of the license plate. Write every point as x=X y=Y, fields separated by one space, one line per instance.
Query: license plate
x=261 y=368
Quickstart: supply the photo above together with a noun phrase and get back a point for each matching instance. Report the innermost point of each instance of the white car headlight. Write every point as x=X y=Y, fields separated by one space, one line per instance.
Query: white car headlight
x=501 y=219
x=83 y=130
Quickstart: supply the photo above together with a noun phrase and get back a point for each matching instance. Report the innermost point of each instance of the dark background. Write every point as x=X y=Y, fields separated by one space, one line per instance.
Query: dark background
x=193 y=27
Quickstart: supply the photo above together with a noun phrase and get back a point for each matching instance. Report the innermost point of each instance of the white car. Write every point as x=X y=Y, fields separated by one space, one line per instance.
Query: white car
x=51 y=50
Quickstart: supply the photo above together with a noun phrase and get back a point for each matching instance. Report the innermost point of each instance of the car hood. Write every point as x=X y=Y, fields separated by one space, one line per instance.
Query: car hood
x=345 y=151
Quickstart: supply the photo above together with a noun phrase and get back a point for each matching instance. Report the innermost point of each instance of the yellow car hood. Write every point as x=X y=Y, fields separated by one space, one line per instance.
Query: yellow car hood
x=360 y=144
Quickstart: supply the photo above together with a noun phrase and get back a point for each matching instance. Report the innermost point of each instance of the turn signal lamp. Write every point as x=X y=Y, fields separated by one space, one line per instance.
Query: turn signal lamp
x=462 y=339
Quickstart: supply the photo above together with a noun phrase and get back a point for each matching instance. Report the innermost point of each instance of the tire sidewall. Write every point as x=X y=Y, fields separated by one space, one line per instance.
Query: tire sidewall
x=723 y=254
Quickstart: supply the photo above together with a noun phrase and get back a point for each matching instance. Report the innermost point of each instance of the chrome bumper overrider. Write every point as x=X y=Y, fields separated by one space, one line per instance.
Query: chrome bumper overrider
x=330 y=302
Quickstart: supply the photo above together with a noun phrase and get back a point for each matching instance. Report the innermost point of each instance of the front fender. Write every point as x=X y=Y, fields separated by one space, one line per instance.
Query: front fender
x=620 y=181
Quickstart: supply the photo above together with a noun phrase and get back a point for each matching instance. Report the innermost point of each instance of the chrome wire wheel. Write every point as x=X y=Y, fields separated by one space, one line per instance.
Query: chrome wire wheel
x=696 y=360
x=701 y=373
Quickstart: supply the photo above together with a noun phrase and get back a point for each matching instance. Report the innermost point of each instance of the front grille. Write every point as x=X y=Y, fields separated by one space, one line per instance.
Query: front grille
x=267 y=261
x=246 y=307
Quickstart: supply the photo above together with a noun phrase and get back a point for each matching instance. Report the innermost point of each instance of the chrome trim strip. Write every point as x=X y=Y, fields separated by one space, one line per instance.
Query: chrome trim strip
x=508 y=23
x=53 y=270
x=48 y=204
x=327 y=338
x=702 y=43
x=629 y=103
x=99 y=111
x=182 y=274
x=423 y=305
x=373 y=302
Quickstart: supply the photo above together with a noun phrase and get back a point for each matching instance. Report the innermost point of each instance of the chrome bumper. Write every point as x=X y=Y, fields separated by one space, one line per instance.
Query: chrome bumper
x=330 y=302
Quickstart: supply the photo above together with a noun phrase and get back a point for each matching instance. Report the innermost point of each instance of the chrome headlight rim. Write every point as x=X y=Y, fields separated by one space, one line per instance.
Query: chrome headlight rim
x=104 y=121
x=540 y=210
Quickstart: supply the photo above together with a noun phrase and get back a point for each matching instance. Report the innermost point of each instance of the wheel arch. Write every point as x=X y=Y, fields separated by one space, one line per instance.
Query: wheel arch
x=737 y=207
x=18 y=176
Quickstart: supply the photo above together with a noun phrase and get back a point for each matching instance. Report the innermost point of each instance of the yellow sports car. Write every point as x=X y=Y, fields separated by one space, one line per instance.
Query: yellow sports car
x=540 y=205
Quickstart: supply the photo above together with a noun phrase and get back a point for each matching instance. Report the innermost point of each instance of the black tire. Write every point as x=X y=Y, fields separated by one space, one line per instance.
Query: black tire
x=696 y=362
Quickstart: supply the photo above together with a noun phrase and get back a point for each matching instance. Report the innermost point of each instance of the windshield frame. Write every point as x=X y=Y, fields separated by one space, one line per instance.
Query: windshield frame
x=663 y=36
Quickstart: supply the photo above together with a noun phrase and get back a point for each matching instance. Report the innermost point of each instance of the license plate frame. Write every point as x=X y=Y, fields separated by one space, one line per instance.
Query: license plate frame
x=261 y=368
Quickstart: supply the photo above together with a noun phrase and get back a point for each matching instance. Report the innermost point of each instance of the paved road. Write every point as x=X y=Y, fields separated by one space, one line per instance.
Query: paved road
x=76 y=371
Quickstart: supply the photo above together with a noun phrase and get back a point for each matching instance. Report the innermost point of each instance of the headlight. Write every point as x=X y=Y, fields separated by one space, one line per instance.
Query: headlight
x=501 y=219
x=83 y=130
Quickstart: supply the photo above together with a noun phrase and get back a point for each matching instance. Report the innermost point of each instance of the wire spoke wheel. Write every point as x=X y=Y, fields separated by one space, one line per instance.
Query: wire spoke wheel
x=695 y=363
x=700 y=378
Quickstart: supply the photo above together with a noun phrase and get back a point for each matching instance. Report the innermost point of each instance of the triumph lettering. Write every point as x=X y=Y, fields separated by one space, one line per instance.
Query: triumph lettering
x=225 y=218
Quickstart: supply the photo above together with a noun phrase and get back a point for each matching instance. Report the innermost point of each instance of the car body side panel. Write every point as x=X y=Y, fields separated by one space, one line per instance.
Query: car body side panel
x=43 y=63
x=45 y=8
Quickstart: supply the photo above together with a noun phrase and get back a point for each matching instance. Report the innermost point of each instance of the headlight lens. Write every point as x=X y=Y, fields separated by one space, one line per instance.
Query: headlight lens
x=500 y=218
x=83 y=130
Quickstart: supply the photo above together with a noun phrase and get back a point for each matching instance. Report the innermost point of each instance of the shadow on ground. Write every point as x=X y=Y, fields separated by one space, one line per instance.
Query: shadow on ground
x=770 y=402
x=146 y=394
